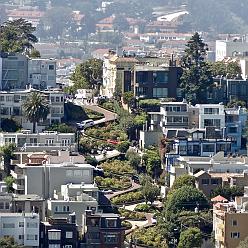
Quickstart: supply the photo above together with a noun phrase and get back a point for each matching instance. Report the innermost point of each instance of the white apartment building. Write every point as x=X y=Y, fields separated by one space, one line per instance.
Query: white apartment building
x=11 y=106
x=23 y=227
x=230 y=48
x=42 y=73
x=74 y=198
x=216 y=164
x=25 y=140
x=211 y=115
x=42 y=178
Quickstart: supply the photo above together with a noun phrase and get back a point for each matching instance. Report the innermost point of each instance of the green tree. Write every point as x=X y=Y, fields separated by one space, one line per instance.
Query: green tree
x=9 y=125
x=9 y=242
x=88 y=74
x=34 y=54
x=243 y=243
x=127 y=97
x=133 y=157
x=197 y=75
x=35 y=108
x=123 y=146
x=190 y=238
x=228 y=192
x=184 y=180
x=229 y=69
x=17 y=36
x=7 y=152
x=235 y=103
x=9 y=180
x=186 y=198
x=152 y=161
x=61 y=128
x=150 y=192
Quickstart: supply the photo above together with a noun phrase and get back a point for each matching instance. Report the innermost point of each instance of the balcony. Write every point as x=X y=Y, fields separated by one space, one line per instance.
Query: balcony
x=39 y=147
x=18 y=186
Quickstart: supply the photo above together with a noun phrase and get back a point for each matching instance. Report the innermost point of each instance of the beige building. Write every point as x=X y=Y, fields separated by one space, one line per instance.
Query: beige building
x=230 y=224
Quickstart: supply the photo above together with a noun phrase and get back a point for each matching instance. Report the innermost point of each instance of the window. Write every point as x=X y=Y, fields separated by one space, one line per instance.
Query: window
x=32 y=237
x=21 y=224
x=208 y=148
x=49 y=141
x=111 y=222
x=160 y=92
x=212 y=123
x=32 y=225
x=205 y=181
x=68 y=246
x=110 y=238
x=235 y=235
x=69 y=235
x=50 y=67
x=234 y=222
x=54 y=246
x=21 y=237
x=86 y=173
x=52 y=98
x=69 y=173
x=1 y=98
x=94 y=222
x=77 y=173
x=54 y=235
x=160 y=77
x=1 y=205
x=211 y=111
x=214 y=181
x=66 y=142
x=57 y=99
x=8 y=225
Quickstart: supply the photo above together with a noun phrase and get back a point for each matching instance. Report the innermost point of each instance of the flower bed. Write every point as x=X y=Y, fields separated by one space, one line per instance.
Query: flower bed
x=131 y=215
x=127 y=198
x=120 y=183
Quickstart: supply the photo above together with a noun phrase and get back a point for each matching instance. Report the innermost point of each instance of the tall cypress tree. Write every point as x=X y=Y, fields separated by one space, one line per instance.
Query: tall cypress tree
x=197 y=76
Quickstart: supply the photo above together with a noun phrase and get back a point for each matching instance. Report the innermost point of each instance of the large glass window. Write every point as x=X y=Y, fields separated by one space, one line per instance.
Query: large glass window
x=111 y=222
x=160 y=77
x=212 y=123
x=160 y=92
x=208 y=148
x=54 y=235
x=211 y=111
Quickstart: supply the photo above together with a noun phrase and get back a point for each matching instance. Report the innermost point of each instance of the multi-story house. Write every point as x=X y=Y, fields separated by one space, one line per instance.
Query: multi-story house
x=11 y=106
x=236 y=119
x=211 y=115
x=230 y=222
x=59 y=232
x=14 y=203
x=73 y=198
x=149 y=81
x=13 y=71
x=230 y=48
x=34 y=142
x=179 y=165
x=41 y=178
x=42 y=73
x=17 y=71
x=23 y=227
x=103 y=230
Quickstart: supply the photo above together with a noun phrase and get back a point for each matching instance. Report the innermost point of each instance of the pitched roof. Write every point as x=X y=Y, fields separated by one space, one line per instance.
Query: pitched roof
x=199 y=173
x=219 y=198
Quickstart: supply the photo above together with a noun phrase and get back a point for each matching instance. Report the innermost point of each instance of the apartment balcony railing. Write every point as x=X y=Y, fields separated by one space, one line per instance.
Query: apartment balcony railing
x=45 y=146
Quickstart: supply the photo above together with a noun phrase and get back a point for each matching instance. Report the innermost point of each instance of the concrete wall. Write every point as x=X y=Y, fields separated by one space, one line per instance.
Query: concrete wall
x=148 y=138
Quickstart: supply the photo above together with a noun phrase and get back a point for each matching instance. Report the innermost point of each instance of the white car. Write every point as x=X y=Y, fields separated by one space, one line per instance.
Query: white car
x=84 y=124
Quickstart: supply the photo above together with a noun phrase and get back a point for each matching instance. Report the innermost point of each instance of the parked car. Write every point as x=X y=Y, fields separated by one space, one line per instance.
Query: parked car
x=84 y=124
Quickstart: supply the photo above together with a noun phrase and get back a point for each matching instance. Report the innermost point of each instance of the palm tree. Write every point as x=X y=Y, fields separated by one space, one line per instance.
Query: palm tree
x=36 y=108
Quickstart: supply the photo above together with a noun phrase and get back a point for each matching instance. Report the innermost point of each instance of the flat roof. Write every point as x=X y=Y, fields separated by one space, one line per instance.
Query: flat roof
x=28 y=197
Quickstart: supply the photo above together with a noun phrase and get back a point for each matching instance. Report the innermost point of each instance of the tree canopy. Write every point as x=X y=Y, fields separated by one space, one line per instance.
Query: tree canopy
x=186 y=198
x=197 y=75
x=189 y=238
x=9 y=242
x=17 y=36
x=229 y=70
x=184 y=180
